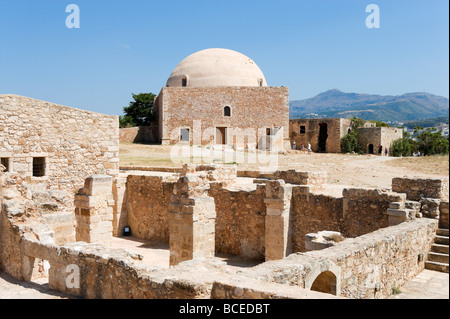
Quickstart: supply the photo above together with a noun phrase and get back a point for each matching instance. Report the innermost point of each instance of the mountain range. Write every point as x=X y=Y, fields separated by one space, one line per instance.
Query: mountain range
x=337 y=104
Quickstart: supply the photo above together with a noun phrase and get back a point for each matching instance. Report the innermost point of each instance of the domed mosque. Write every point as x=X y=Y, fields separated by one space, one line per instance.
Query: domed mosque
x=215 y=68
x=221 y=97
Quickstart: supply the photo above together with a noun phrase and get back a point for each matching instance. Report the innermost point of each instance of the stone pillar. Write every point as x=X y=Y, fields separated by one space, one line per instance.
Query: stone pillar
x=120 y=215
x=278 y=237
x=192 y=219
x=94 y=210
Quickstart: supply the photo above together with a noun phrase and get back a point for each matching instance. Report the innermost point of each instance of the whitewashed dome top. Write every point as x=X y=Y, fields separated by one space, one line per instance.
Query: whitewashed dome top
x=216 y=68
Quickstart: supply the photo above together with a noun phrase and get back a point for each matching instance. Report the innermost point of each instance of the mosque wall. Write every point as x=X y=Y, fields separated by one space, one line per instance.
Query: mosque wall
x=201 y=111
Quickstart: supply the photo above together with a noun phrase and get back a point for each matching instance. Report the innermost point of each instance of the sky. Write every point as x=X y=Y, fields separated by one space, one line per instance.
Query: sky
x=311 y=46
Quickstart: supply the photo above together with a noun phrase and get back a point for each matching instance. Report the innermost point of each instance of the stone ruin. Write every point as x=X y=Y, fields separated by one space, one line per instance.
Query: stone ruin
x=301 y=242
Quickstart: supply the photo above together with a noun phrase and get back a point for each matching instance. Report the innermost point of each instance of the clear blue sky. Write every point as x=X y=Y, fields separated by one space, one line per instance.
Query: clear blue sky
x=311 y=46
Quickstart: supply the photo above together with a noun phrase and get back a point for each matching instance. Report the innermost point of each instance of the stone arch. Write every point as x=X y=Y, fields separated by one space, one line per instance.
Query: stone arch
x=324 y=277
x=325 y=282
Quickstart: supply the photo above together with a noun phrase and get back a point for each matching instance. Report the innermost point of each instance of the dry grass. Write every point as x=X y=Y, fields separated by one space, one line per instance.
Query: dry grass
x=343 y=170
x=433 y=165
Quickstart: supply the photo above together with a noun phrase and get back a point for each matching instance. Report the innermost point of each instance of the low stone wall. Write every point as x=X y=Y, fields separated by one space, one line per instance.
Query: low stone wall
x=148 y=199
x=416 y=189
x=240 y=221
x=443 y=220
x=366 y=267
x=141 y=134
x=315 y=180
x=312 y=213
x=365 y=210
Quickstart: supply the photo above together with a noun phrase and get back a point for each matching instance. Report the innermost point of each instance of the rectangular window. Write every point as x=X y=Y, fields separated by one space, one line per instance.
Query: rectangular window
x=38 y=166
x=184 y=135
x=302 y=129
x=184 y=82
x=5 y=162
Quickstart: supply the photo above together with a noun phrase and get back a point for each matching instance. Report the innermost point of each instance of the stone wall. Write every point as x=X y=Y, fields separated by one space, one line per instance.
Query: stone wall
x=315 y=180
x=336 y=129
x=365 y=210
x=142 y=134
x=73 y=143
x=240 y=221
x=444 y=215
x=148 y=199
x=367 y=267
x=378 y=136
x=313 y=213
x=180 y=108
x=416 y=188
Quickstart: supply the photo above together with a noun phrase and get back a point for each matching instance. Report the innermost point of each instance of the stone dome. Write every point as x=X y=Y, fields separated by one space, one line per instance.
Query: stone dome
x=216 y=67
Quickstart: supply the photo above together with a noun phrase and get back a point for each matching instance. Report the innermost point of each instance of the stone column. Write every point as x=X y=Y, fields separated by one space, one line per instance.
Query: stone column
x=192 y=219
x=278 y=237
x=94 y=210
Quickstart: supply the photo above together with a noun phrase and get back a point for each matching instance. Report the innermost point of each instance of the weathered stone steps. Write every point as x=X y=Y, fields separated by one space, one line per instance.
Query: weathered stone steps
x=438 y=257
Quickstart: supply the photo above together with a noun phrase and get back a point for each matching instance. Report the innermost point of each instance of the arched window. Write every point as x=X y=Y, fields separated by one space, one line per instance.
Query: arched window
x=184 y=82
x=261 y=82
x=227 y=111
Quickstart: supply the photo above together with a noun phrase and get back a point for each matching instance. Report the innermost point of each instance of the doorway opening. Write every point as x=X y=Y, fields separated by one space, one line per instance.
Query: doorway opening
x=221 y=135
x=323 y=136
x=371 y=148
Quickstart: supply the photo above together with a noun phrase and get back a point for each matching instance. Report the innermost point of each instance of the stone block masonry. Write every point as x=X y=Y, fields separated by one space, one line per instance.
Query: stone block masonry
x=94 y=210
x=179 y=107
x=416 y=189
x=57 y=146
x=192 y=218
x=278 y=234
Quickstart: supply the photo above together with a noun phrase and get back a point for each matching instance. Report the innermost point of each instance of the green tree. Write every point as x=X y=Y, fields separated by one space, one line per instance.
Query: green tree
x=349 y=143
x=139 y=112
x=431 y=141
x=380 y=123
x=427 y=142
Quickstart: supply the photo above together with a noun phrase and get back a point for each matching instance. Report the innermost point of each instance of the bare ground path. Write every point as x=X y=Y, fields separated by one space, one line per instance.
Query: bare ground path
x=344 y=170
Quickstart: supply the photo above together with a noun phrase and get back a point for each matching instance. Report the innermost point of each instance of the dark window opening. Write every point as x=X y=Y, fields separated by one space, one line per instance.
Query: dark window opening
x=39 y=166
x=5 y=162
x=261 y=82
x=227 y=111
x=302 y=129
x=184 y=82
x=268 y=131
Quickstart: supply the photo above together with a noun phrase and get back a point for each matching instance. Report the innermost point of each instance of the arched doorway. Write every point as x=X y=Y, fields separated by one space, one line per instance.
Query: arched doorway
x=370 y=149
x=325 y=282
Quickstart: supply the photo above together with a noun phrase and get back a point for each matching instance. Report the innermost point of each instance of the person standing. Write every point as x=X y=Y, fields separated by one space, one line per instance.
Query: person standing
x=309 y=148
x=294 y=146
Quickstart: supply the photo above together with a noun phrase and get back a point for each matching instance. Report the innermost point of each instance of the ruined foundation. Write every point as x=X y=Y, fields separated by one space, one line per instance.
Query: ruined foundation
x=207 y=212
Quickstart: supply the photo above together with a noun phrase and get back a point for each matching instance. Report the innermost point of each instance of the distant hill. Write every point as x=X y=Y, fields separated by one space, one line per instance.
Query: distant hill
x=337 y=104
x=431 y=122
